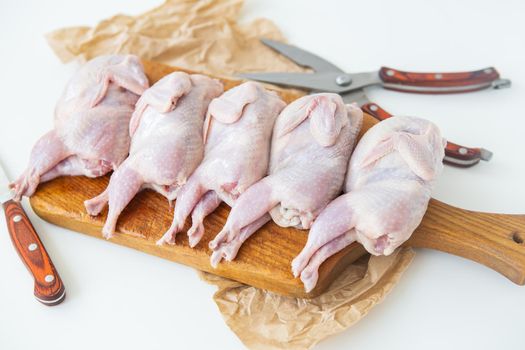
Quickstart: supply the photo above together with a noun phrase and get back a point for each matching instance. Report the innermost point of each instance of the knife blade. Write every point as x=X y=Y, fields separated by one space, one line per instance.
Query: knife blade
x=48 y=286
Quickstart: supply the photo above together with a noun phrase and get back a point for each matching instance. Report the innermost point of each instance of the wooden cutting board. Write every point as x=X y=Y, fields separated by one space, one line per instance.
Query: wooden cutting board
x=495 y=240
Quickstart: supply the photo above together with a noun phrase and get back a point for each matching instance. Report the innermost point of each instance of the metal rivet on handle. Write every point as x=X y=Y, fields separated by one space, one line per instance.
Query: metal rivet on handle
x=32 y=247
x=438 y=76
x=463 y=150
x=390 y=72
x=49 y=278
x=488 y=71
x=343 y=79
x=373 y=108
x=17 y=218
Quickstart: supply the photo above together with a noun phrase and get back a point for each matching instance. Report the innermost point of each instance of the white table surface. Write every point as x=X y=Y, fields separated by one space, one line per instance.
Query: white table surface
x=120 y=297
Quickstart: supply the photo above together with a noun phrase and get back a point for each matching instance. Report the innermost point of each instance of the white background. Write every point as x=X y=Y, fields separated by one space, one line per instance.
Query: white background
x=123 y=298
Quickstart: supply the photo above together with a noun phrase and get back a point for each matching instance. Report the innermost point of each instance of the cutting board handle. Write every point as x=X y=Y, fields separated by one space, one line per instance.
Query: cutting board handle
x=494 y=240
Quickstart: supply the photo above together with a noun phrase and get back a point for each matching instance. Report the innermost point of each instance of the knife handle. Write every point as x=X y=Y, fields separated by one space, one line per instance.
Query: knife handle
x=49 y=289
x=375 y=111
x=441 y=83
x=455 y=154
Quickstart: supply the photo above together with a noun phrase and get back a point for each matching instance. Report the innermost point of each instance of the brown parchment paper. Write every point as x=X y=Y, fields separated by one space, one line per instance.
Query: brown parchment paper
x=205 y=36
x=265 y=320
x=199 y=35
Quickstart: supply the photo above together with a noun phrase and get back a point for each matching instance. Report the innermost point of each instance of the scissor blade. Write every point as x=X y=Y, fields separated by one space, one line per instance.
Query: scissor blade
x=326 y=82
x=309 y=81
x=357 y=96
x=302 y=57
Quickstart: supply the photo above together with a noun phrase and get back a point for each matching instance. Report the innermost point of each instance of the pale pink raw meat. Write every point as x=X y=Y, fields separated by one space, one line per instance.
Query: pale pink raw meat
x=388 y=186
x=237 y=131
x=90 y=135
x=166 y=143
x=312 y=141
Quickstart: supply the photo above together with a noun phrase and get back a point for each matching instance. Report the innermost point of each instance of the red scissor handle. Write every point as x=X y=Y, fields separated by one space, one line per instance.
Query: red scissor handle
x=441 y=83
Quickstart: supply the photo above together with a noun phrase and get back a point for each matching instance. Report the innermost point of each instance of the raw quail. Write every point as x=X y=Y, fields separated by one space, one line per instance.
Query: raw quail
x=237 y=131
x=166 y=143
x=90 y=135
x=388 y=186
x=312 y=141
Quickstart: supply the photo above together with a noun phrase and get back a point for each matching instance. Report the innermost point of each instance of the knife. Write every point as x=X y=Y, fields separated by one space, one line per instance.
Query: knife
x=455 y=154
x=49 y=289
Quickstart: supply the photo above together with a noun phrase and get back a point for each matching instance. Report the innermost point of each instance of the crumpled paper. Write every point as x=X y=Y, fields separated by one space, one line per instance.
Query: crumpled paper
x=202 y=36
x=205 y=36
x=268 y=321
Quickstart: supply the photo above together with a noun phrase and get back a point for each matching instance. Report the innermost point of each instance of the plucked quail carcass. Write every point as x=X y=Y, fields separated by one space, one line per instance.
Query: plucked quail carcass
x=388 y=186
x=166 y=143
x=237 y=132
x=90 y=135
x=312 y=141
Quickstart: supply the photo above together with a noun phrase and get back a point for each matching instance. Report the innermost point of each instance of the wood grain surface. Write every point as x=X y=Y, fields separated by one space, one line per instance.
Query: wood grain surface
x=495 y=240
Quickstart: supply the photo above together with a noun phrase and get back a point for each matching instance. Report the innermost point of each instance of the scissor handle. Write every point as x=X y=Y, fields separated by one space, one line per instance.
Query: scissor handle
x=455 y=154
x=441 y=83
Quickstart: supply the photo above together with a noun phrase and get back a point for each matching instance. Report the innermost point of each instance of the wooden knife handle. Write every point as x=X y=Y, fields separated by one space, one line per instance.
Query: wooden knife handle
x=49 y=289
x=465 y=157
x=494 y=240
x=376 y=111
x=441 y=83
x=455 y=154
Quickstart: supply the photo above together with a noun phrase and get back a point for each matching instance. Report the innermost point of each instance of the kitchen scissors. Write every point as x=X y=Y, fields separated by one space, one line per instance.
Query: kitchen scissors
x=329 y=78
